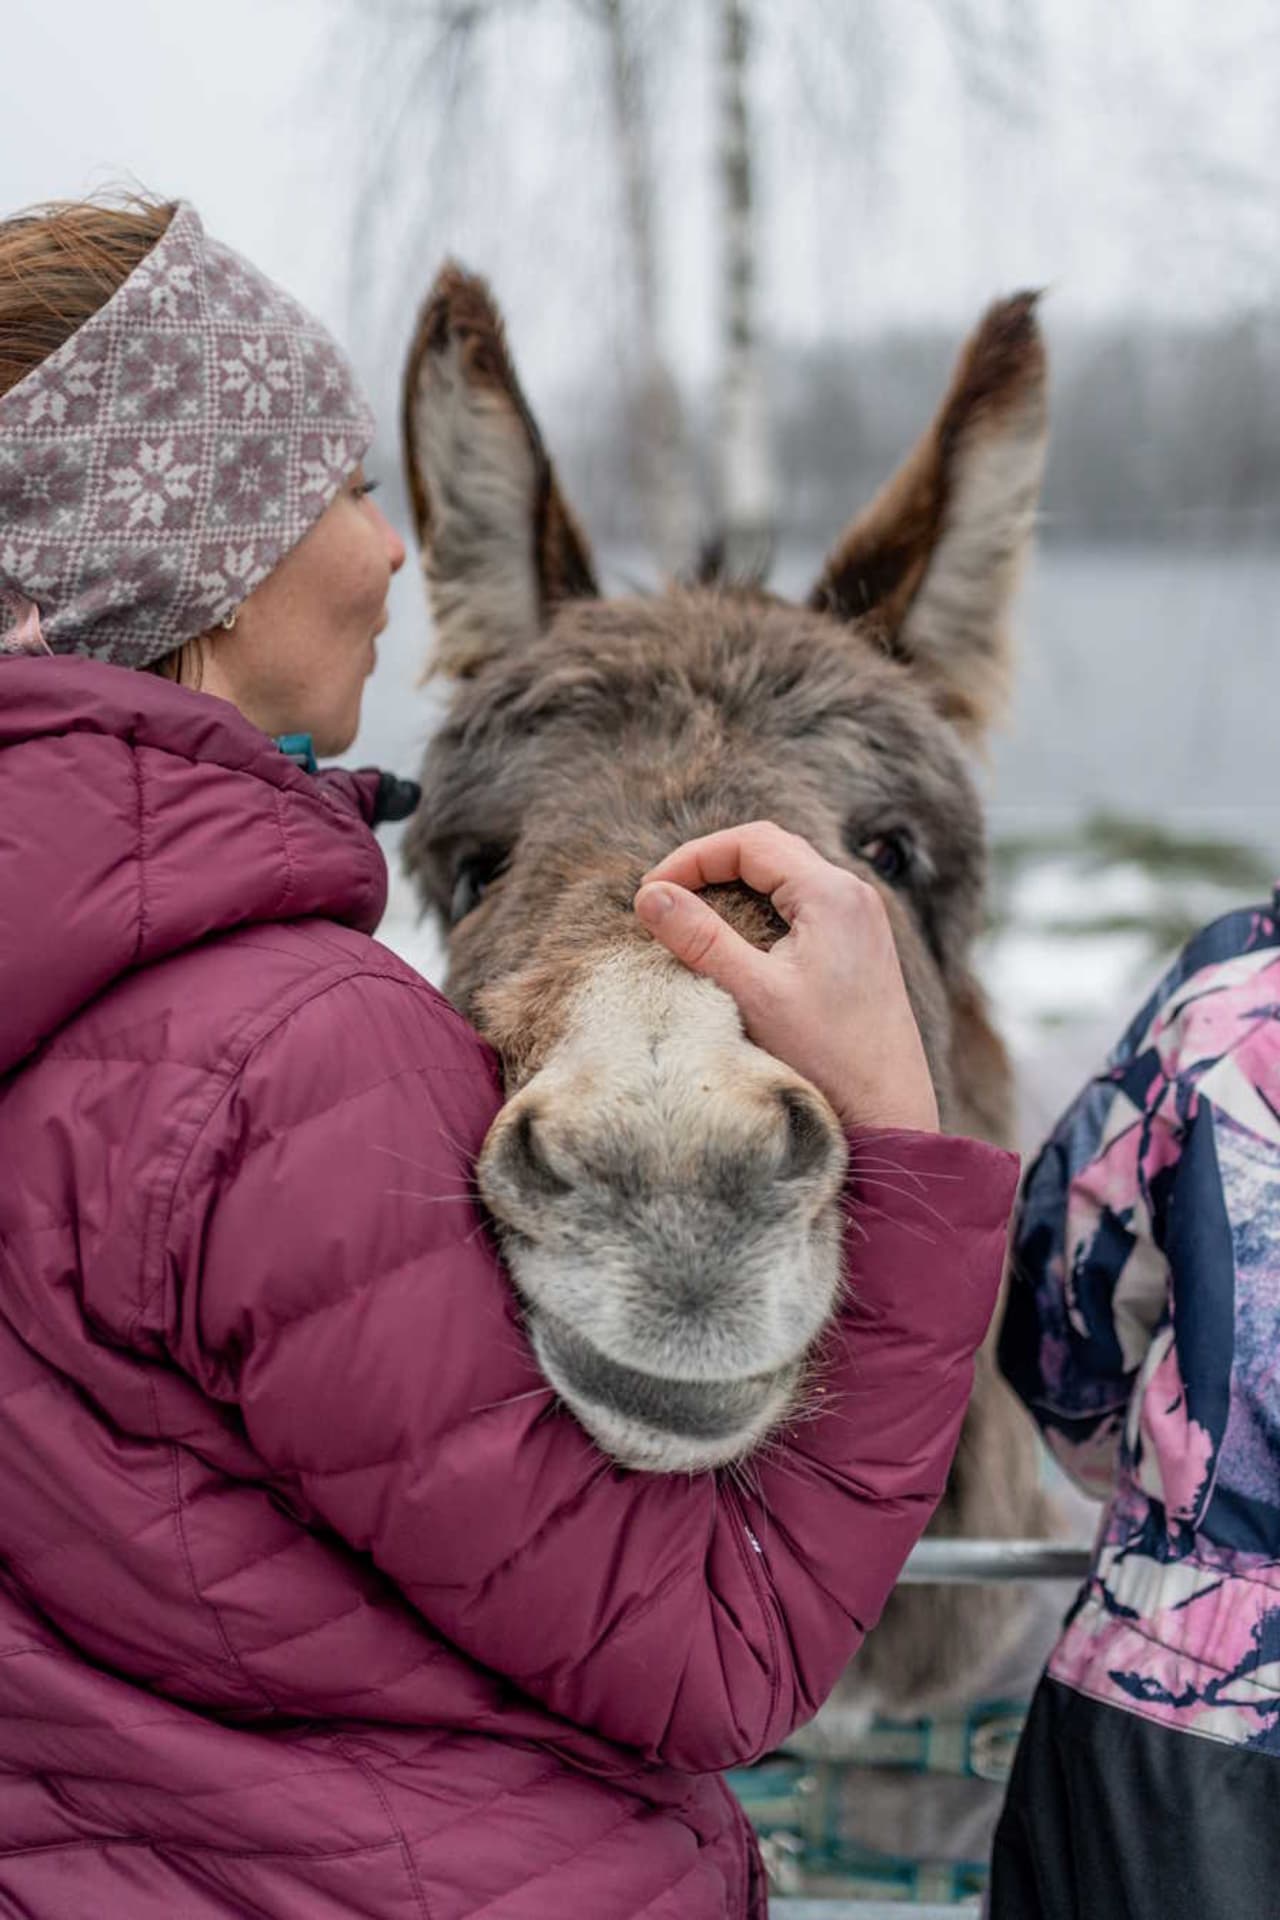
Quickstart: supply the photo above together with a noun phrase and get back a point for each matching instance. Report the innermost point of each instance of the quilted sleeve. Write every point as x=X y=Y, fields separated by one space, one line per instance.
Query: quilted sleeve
x=331 y=1275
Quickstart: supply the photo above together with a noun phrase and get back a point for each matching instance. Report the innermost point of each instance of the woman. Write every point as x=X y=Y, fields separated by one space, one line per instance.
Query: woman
x=311 y=1603
x=1142 y=1333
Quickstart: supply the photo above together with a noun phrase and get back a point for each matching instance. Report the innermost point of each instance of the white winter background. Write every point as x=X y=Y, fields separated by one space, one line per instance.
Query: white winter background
x=914 y=160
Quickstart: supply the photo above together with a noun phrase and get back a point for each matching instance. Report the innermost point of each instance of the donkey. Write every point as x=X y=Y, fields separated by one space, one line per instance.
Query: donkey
x=669 y=1195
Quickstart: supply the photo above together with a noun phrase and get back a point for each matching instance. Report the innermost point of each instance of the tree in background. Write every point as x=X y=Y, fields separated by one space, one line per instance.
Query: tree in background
x=431 y=117
x=425 y=76
x=744 y=467
x=651 y=124
x=657 y=433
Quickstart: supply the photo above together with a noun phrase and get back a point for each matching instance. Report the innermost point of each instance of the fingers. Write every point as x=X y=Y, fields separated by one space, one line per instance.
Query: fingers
x=768 y=859
x=698 y=937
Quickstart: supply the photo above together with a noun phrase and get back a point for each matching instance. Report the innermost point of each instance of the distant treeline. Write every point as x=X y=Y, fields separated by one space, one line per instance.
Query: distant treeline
x=1168 y=433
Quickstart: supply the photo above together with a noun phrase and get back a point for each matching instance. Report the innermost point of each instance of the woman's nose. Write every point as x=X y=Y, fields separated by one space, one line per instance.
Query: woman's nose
x=395 y=545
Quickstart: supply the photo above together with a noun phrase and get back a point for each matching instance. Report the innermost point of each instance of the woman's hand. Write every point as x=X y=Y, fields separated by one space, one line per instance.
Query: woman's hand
x=829 y=998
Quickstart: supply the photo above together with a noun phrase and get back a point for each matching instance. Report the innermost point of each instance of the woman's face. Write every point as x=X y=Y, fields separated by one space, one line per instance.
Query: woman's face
x=304 y=642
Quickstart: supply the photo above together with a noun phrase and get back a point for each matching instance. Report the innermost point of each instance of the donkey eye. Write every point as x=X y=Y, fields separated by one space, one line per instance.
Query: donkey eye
x=474 y=877
x=889 y=855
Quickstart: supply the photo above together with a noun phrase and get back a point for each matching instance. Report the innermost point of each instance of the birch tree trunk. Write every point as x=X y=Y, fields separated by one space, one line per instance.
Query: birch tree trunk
x=745 y=469
x=661 y=444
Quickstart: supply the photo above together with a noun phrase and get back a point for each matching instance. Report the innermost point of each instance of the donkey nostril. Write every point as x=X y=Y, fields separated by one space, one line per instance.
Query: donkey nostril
x=809 y=1144
x=526 y=1160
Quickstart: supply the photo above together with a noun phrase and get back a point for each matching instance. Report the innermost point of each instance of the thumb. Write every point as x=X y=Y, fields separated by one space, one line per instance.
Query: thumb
x=698 y=937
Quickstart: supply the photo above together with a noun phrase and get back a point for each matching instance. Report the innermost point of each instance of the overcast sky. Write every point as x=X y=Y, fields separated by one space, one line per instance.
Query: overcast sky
x=215 y=103
x=1125 y=156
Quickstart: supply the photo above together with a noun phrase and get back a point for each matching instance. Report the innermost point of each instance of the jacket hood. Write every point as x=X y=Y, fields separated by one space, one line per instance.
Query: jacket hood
x=137 y=817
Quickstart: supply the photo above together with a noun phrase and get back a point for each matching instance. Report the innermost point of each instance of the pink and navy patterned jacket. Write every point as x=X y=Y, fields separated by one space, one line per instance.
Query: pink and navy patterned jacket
x=1144 y=1333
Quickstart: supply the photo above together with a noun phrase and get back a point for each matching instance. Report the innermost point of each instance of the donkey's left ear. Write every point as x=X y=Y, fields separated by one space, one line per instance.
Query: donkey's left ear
x=934 y=559
x=500 y=546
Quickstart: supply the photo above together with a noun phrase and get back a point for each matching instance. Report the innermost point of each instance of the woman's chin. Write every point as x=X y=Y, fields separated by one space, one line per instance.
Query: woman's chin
x=327 y=742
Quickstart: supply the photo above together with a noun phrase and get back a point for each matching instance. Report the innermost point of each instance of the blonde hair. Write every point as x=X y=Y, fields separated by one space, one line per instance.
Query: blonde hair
x=58 y=264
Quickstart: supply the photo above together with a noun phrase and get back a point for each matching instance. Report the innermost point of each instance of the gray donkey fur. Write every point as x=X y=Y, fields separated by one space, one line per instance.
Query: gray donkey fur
x=669 y=1195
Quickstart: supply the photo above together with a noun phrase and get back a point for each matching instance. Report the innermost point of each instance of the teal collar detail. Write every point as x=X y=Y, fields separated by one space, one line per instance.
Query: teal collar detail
x=297 y=747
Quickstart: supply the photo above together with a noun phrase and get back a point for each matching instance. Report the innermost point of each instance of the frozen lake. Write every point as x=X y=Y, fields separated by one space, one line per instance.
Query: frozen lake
x=1145 y=685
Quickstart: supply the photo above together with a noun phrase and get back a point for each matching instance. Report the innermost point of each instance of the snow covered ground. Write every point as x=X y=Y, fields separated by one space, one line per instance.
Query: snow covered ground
x=1084 y=925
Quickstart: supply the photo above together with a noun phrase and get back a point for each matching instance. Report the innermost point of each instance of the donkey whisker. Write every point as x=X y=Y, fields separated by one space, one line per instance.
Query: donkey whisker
x=856 y=1162
x=904 y=1226
x=859 y=1161
x=461 y=1199
x=534 y=1393
x=393 y=1153
x=889 y=1186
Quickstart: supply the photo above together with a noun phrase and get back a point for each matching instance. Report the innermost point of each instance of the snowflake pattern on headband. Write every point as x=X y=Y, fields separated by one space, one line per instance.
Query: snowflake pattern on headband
x=158 y=466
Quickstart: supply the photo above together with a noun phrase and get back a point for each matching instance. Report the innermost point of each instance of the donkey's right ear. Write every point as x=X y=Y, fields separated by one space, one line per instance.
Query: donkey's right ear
x=500 y=547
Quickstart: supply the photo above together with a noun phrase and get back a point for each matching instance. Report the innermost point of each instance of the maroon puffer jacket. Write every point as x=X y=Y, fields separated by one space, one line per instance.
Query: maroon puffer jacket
x=310 y=1604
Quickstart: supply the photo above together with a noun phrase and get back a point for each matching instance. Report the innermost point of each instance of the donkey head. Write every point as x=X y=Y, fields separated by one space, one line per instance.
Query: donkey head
x=669 y=1193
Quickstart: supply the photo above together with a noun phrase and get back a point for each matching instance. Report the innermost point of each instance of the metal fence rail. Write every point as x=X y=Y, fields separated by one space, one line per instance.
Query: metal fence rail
x=951 y=1563
x=862 y=1910
x=936 y=1563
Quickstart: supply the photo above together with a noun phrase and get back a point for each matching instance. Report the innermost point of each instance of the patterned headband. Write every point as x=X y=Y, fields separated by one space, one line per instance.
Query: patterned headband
x=159 y=464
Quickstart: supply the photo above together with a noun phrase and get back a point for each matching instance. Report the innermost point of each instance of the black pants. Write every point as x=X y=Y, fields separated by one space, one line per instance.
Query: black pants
x=1112 y=1817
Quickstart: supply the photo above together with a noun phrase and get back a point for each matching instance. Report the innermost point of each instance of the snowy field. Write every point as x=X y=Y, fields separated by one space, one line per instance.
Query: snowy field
x=1079 y=938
